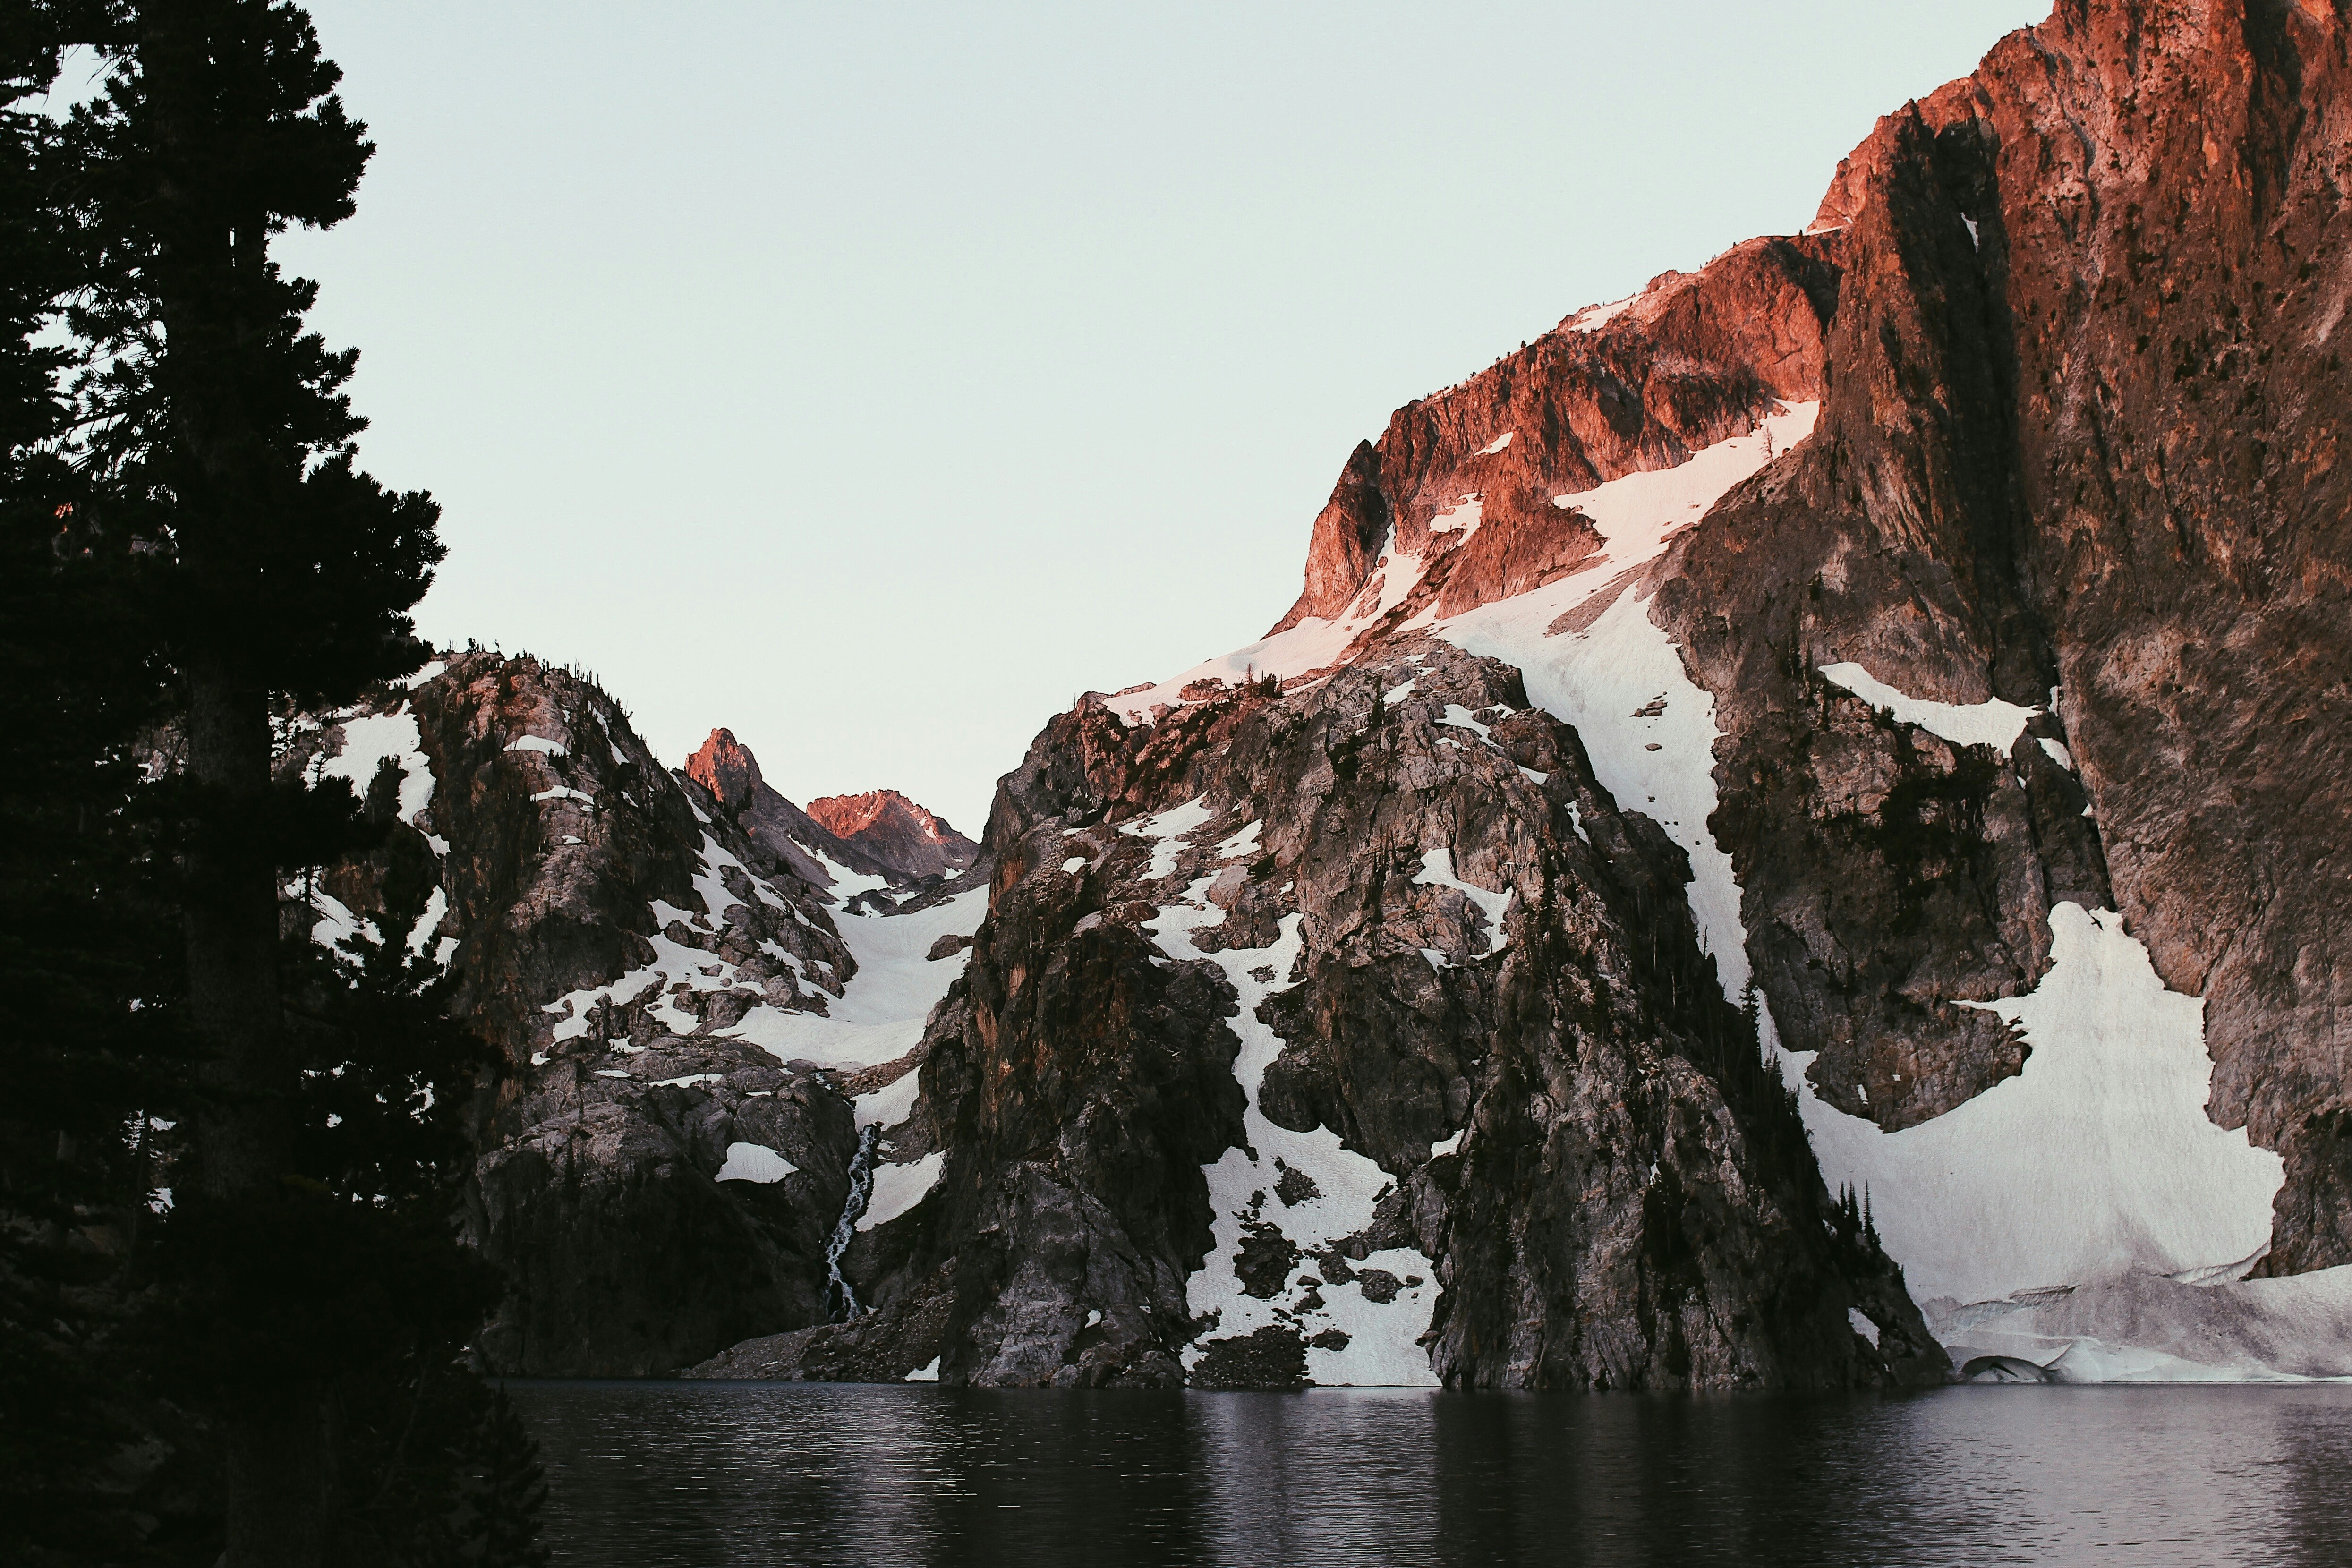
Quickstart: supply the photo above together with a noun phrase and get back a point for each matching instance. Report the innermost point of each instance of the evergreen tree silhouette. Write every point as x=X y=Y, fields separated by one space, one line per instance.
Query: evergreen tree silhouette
x=189 y=551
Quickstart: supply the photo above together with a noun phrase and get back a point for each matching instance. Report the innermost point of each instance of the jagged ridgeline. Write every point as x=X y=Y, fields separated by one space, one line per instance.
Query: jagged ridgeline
x=1794 y=836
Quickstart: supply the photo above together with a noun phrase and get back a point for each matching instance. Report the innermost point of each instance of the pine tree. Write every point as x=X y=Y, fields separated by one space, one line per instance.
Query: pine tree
x=313 y=1286
x=86 y=950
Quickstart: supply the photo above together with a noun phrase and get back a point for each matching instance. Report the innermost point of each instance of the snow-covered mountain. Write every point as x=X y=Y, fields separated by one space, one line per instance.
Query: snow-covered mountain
x=1865 y=717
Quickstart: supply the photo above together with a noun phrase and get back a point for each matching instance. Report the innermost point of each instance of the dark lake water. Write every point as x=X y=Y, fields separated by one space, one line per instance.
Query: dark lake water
x=699 y=1475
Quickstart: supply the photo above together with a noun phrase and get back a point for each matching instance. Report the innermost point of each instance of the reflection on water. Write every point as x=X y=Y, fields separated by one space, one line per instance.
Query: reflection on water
x=699 y=1475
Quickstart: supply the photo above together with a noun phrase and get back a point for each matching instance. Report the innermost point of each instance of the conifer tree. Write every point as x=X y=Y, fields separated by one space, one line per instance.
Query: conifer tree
x=86 y=950
x=315 y=1294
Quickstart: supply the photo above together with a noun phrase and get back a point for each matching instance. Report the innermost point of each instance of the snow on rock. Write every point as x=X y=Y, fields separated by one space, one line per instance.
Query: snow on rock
x=1242 y=843
x=890 y=1105
x=1621 y=683
x=1862 y=1325
x=928 y=1372
x=1592 y=318
x=2059 y=754
x=1437 y=872
x=753 y=1163
x=879 y=1016
x=1461 y=718
x=372 y=740
x=538 y=743
x=1995 y=724
x=436 y=909
x=2099 y=1157
x=1635 y=515
x=1463 y=517
x=2147 y=1328
x=2096 y=1159
x=1331 y=1189
x=847 y=884
x=1497 y=444
x=898 y=1188
x=1167 y=830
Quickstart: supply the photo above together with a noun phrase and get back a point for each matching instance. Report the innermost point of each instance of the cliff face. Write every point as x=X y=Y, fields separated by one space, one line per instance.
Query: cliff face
x=2079 y=455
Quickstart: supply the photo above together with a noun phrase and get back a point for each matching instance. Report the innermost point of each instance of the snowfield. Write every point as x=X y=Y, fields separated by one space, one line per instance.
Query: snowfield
x=880 y=1017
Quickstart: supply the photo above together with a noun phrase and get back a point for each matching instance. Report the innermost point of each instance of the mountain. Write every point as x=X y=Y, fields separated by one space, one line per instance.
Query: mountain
x=1794 y=836
x=860 y=844
x=651 y=953
x=1932 y=622
x=901 y=835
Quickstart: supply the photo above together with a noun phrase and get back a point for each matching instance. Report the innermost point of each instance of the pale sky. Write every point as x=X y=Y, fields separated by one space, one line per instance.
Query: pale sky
x=872 y=379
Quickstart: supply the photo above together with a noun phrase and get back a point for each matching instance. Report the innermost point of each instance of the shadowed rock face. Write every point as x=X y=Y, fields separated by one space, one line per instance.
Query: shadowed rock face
x=604 y=925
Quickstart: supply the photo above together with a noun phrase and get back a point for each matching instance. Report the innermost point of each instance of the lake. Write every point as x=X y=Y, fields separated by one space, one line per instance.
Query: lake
x=699 y=1475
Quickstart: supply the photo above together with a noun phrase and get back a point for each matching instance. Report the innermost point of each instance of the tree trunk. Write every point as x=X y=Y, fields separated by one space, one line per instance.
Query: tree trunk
x=280 y=1468
x=232 y=930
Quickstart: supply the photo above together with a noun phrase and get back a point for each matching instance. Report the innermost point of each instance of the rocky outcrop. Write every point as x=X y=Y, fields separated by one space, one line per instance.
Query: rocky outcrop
x=2078 y=455
x=1691 y=360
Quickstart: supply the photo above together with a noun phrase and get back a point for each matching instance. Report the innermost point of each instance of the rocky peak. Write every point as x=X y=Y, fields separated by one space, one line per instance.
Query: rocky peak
x=905 y=837
x=1473 y=487
x=726 y=767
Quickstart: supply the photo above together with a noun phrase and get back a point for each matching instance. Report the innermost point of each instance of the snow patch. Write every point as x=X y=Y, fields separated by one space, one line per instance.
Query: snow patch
x=880 y=1015
x=1463 y=517
x=1592 y=318
x=1166 y=830
x=898 y=1188
x=753 y=1163
x=888 y=1106
x=1995 y=724
x=1242 y=843
x=1497 y=444
x=2098 y=1159
x=436 y=909
x=1437 y=872
x=372 y=740
x=928 y=1372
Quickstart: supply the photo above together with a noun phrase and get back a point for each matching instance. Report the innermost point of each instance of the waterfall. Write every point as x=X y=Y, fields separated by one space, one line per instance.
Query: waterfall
x=840 y=1300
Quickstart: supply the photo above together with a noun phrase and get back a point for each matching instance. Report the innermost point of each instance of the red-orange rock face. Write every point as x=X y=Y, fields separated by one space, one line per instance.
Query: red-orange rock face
x=896 y=830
